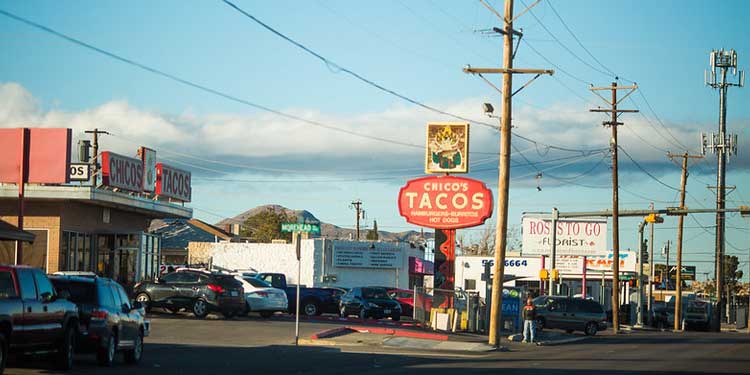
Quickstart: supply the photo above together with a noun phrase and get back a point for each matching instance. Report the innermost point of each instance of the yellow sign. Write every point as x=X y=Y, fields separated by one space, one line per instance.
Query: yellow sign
x=447 y=148
x=654 y=218
x=543 y=274
x=555 y=274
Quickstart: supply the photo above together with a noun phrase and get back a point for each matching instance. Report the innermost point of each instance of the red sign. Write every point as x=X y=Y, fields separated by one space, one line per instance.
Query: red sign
x=47 y=157
x=445 y=202
x=173 y=183
x=122 y=172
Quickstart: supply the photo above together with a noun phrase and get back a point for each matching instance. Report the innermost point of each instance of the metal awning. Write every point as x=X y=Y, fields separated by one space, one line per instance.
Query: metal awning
x=12 y=233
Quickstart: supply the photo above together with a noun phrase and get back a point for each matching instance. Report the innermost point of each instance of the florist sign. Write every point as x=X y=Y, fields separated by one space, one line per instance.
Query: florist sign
x=580 y=237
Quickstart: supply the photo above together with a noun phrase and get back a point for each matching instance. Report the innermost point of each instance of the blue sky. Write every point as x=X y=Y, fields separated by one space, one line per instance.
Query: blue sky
x=242 y=157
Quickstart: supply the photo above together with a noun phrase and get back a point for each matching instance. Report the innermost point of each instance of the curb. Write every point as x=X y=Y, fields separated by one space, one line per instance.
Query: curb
x=400 y=333
x=352 y=320
x=561 y=342
x=330 y=333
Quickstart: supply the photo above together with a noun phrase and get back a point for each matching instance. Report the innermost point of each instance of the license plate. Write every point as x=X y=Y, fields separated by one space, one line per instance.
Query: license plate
x=386 y=311
x=235 y=293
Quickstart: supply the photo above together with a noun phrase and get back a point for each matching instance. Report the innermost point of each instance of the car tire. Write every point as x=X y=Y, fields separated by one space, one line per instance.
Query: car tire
x=310 y=308
x=200 y=308
x=134 y=355
x=3 y=352
x=105 y=356
x=266 y=314
x=591 y=329
x=362 y=313
x=66 y=350
x=145 y=300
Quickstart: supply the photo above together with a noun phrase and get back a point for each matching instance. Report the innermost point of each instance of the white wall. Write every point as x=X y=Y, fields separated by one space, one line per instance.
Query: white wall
x=472 y=267
x=278 y=258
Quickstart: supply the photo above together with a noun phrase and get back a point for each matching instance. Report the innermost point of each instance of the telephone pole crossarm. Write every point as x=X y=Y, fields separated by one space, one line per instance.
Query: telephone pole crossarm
x=471 y=70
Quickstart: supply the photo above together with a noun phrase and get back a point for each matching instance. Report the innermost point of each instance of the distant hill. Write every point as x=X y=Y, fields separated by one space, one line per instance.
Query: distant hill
x=327 y=230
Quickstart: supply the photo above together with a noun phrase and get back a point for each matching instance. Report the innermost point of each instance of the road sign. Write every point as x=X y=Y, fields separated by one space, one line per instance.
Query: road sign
x=300 y=227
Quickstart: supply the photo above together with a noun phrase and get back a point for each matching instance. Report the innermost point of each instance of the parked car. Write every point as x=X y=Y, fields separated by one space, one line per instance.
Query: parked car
x=405 y=298
x=570 y=314
x=261 y=297
x=109 y=322
x=34 y=318
x=197 y=291
x=313 y=301
x=698 y=314
x=369 y=303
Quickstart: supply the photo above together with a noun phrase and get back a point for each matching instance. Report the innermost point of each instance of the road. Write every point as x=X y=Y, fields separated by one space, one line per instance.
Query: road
x=182 y=345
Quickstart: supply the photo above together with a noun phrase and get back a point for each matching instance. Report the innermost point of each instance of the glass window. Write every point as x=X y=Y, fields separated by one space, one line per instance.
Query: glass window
x=80 y=292
x=28 y=287
x=115 y=295
x=7 y=287
x=374 y=293
x=171 y=278
x=42 y=283
x=257 y=283
x=63 y=257
x=123 y=295
x=470 y=284
x=72 y=250
x=189 y=277
x=105 y=296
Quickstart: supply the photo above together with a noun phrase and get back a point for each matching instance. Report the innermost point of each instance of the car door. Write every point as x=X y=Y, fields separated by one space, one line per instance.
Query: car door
x=53 y=311
x=125 y=326
x=346 y=300
x=356 y=302
x=133 y=316
x=165 y=290
x=189 y=286
x=557 y=313
x=26 y=324
x=576 y=316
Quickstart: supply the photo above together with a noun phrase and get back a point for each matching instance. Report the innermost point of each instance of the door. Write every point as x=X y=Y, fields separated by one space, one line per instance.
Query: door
x=165 y=289
x=53 y=311
x=122 y=310
x=32 y=309
x=558 y=313
x=189 y=286
x=577 y=316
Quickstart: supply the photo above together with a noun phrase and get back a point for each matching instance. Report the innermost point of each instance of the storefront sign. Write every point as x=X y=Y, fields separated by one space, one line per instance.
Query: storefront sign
x=346 y=256
x=122 y=172
x=445 y=202
x=80 y=171
x=173 y=183
x=599 y=263
x=447 y=148
x=569 y=265
x=148 y=156
x=574 y=237
x=418 y=266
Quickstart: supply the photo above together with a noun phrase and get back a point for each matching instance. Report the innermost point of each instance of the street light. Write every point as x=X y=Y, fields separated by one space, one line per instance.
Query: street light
x=655 y=219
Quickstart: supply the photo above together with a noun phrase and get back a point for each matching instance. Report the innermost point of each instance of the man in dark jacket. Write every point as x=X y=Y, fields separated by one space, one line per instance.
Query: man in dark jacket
x=529 y=318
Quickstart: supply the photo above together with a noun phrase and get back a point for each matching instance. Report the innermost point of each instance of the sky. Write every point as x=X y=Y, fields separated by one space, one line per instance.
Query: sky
x=361 y=142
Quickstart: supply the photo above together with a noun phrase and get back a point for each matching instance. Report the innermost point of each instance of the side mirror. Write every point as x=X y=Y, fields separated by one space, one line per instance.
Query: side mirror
x=46 y=297
x=64 y=294
x=137 y=305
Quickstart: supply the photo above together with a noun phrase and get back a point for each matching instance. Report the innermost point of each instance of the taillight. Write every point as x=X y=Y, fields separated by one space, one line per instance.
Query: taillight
x=99 y=315
x=261 y=294
x=216 y=288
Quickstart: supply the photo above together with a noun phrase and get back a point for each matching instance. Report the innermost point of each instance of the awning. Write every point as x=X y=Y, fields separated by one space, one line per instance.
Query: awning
x=11 y=232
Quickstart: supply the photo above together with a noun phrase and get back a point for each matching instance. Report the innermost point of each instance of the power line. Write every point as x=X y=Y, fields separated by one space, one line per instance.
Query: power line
x=645 y=171
x=648 y=104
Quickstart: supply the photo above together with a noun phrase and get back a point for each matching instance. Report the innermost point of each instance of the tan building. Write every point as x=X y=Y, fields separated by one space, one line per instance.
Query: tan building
x=85 y=228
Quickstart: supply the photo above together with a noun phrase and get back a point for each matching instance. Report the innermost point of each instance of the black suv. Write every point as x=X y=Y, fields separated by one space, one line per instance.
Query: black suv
x=570 y=314
x=373 y=302
x=109 y=321
x=198 y=291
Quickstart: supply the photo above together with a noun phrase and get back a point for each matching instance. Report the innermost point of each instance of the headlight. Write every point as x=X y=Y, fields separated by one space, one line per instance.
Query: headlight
x=370 y=304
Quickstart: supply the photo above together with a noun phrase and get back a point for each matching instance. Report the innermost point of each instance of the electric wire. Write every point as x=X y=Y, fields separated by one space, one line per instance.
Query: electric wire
x=645 y=171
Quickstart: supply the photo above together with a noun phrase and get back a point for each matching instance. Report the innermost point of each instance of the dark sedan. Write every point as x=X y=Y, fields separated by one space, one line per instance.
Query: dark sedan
x=373 y=302
x=109 y=322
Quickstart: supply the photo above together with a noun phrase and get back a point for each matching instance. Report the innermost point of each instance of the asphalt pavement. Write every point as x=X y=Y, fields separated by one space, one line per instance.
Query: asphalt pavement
x=183 y=345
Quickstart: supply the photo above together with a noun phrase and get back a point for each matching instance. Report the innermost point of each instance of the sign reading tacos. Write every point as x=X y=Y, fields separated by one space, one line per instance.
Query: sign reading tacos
x=173 y=183
x=445 y=202
x=122 y=172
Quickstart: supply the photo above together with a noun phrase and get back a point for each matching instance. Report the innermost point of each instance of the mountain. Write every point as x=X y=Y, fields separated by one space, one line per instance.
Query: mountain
x=327 y=230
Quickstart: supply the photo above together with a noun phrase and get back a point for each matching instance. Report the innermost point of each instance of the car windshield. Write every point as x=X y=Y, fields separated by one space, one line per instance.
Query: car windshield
x=257 y=283
x=374 y=293
x=79 y=292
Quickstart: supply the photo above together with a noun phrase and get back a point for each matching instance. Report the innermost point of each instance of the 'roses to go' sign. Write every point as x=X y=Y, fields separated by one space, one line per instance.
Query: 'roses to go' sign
x=445 y=202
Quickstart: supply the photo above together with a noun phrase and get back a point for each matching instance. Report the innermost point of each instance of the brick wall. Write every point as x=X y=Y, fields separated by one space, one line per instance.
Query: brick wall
x=41 y=215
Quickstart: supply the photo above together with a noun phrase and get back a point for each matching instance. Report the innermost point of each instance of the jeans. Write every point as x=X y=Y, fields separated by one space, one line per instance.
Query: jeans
x=528 y=330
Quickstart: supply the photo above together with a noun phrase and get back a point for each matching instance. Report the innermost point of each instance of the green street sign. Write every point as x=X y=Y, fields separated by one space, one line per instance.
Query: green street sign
x=300 y=227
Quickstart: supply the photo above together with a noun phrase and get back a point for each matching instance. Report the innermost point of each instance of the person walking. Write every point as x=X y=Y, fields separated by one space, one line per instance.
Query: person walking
x=529 y=320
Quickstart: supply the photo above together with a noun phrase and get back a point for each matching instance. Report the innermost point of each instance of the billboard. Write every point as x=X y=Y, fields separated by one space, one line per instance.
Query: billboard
x=47 y=155
x=122 y=172
x=447 y=149
x=582 y=237
x=148 y=156
x=604 y=262
x=173 y=182
x=445 y=202
x=364 y=257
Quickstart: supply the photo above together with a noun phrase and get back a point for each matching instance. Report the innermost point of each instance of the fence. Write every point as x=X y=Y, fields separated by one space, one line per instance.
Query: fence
x=467 y=313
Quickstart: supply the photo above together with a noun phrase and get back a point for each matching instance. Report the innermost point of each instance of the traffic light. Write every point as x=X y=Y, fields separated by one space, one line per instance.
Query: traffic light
x=555 y=274
x=644 y=251
x=543 y=274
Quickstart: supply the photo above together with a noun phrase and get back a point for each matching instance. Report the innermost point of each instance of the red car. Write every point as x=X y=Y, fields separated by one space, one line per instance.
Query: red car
x=405 y=298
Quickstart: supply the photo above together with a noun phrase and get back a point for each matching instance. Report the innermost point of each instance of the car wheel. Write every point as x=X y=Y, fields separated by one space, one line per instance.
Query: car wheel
x=145 y=300
x=362 y=313
x=310 y=308
x=591 y=329
x=106 y=355
x=134 y=355
x=266 y=314
x=67 y=348
x=3 y=352
x=200 y=308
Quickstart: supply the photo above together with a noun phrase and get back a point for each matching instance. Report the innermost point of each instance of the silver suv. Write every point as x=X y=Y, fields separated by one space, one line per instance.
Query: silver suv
x=570 y=314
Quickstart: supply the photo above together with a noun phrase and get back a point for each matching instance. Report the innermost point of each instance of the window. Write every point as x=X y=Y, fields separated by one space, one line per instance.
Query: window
x=257 y=283
x=123 y=295
x=172 y=278
x=189 y=277
x=7 y=287
x=470 y=284
x=42 y=284
x=79 y=292
x=105 y=296
x=115 y=295
x=28 y=287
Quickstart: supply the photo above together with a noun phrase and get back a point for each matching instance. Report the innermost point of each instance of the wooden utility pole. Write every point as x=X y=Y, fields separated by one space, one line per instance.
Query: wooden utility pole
x=358 y=208
x=680 y=222
x=613 y=123
x=504 y=165
x=95 y=158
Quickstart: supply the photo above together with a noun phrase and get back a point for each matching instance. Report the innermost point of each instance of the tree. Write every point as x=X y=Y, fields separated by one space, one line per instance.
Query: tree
x=372 y=234
x=265 y=226
x=485 y=246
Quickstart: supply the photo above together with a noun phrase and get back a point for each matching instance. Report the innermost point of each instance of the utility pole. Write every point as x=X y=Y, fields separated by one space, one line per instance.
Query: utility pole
x=95 y=159
x=650 y=269
x=680 y=223
x=613 y=123
x=721 y=144
x=357 y=205
x=504 y=164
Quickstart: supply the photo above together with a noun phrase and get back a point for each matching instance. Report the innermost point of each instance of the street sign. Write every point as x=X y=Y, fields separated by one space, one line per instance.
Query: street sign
x=300 y=227
x=445 y=202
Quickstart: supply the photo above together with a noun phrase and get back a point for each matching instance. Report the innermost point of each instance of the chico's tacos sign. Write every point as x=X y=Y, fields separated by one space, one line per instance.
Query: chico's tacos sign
x=130 y=174
x=172 y=182
x=445 y=202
